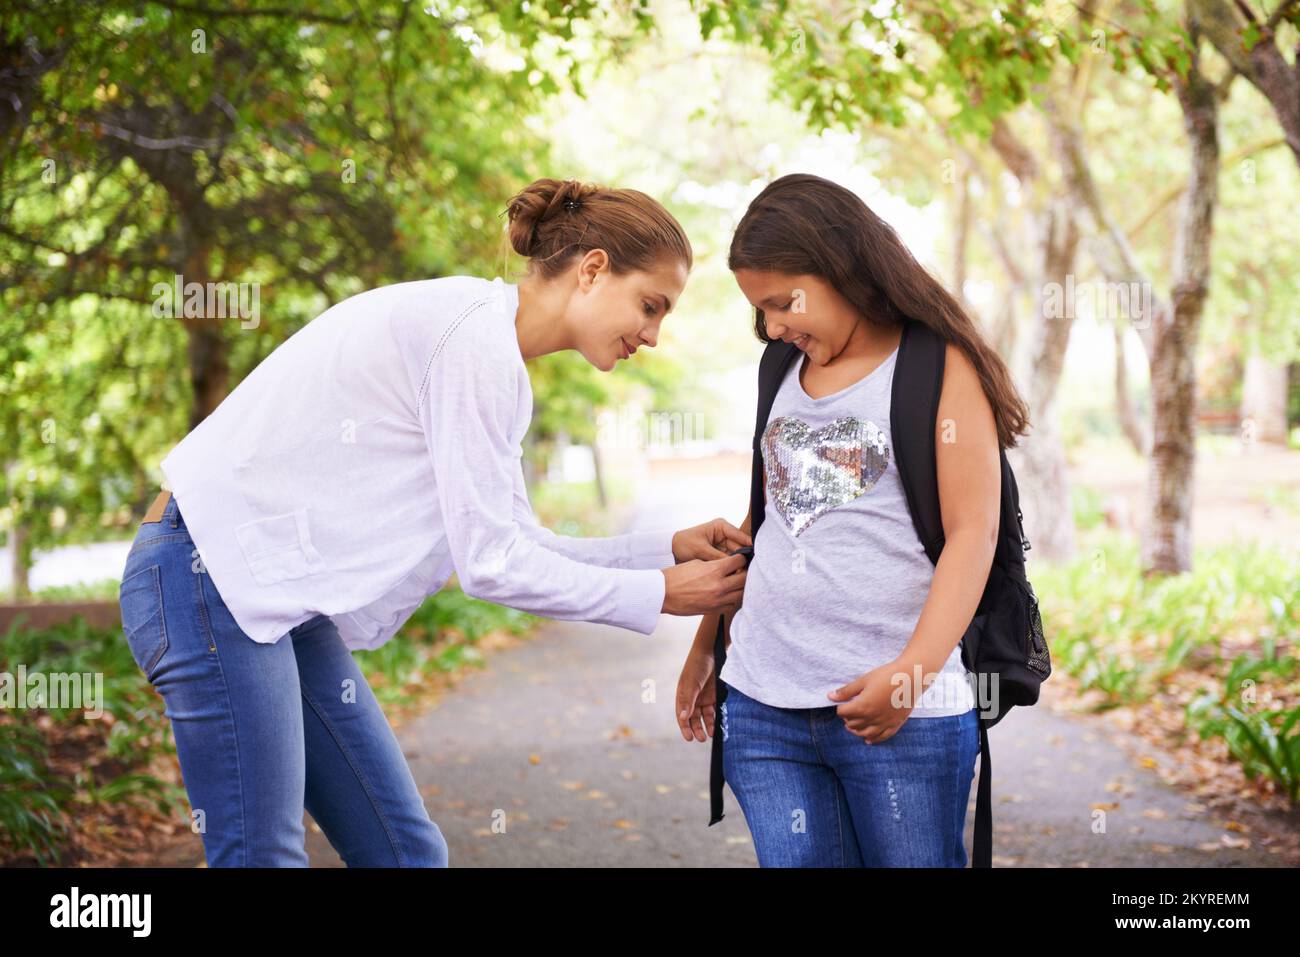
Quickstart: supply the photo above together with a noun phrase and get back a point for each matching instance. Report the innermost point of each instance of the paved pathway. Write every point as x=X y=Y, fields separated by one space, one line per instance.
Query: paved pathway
x=569 y=739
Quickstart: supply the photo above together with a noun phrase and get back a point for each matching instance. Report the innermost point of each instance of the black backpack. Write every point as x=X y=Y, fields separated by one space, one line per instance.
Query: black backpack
x=1004 y=645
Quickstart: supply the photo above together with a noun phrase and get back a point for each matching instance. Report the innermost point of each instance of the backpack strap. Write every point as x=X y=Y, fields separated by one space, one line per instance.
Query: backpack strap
x=982 y=848
x=771 y=370
x=913 y=418
x=913 y=414
x=719 y=697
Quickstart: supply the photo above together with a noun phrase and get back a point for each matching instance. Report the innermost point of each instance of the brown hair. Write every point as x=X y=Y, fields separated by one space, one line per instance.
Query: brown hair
x=552 y=220
x=806 y=225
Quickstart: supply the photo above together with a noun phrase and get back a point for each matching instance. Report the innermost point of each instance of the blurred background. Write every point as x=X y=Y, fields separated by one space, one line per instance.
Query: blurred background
x=1109 y=187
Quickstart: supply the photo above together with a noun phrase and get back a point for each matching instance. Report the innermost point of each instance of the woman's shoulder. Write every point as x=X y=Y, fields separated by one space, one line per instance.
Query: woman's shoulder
x=459 y=287
x=444 y=291
x=419 y=299
x=427 y=314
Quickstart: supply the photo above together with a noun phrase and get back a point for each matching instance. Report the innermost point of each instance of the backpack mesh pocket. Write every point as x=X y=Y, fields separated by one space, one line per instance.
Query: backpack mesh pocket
x=1037 y=658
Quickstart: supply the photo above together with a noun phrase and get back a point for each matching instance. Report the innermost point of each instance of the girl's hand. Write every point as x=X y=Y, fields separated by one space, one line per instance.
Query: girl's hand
x=715 y=539
x=696 y=696
x=869 y=709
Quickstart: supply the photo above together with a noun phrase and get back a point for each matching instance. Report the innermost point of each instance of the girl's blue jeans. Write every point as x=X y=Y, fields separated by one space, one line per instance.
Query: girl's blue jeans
x=814 y=794
x=264 y=731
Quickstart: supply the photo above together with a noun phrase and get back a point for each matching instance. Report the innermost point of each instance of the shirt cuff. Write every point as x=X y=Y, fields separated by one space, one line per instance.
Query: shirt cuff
x=651 y=549
x=642 y=600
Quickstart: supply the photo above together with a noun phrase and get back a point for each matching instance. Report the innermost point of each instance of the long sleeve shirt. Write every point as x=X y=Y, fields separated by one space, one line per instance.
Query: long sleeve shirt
x=375 y=452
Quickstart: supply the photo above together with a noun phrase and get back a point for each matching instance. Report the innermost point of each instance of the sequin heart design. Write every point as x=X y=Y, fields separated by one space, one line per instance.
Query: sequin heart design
x=812 y=471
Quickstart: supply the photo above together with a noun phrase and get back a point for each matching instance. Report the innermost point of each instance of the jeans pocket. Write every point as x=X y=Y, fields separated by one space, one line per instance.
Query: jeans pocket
x=140 y=599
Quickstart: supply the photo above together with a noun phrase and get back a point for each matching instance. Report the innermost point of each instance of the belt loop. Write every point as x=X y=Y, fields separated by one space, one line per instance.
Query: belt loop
x=175 y=510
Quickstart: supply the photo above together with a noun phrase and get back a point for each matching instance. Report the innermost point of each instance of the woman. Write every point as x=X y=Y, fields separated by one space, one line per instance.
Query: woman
x=370 y=456
x=848 y=718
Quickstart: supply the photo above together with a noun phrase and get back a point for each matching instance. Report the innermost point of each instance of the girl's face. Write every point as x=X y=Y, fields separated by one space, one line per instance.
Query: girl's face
x=805 y=310
x=612 y=316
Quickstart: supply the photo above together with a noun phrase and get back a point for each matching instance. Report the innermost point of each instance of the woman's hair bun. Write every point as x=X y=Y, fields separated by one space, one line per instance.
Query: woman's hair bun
x=539 y=202
x=552 y=221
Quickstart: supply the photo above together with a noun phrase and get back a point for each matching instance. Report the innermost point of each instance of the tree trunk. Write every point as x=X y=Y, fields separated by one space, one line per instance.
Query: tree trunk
x=20 y=560
x=1167 y=541
x=1168 y=330
x=961 y=233
x=601 y=495
x=1039 y=460
x=1049 y=512
x=208 y=352
x=1167 y=544
x=1263 y=400
x=209 y=368
x=1129 y=420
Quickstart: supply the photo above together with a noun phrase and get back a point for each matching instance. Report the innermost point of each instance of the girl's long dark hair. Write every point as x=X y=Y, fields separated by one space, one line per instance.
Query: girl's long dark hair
x=806 y=225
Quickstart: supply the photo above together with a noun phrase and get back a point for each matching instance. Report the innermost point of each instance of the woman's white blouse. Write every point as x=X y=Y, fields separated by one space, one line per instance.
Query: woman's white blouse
x=377 y=451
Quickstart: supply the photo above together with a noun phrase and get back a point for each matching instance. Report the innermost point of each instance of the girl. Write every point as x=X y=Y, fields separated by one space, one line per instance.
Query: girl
x=370 y=456
x=849 y=721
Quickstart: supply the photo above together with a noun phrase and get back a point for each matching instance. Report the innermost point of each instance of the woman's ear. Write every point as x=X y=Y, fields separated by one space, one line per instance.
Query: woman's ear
x=593 y=264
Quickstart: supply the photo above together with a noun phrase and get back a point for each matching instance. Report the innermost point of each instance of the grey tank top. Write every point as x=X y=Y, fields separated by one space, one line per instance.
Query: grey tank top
x=839 y=576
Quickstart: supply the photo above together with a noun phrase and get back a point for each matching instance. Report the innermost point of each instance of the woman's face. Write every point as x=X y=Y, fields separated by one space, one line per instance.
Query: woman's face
x=612 y=316
x=805 y=310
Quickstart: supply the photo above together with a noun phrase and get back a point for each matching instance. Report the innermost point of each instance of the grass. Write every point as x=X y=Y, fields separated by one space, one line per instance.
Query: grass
x=1088 y=505
x=103 y=590
x=1280 y=497
x=57 y=761
x=569 y=508
x=1225 y=630
x=59 y=764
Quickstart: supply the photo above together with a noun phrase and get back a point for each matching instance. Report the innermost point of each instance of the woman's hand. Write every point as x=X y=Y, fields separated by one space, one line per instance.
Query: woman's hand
x=704 y=588
x=870 y=709
x=715 y=539
x=696 y=696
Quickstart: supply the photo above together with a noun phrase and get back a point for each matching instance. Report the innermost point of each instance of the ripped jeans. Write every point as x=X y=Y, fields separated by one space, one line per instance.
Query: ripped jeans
x=814 y=794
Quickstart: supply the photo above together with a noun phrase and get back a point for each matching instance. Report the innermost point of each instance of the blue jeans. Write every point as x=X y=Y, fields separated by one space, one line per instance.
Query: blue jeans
x=263 y=731
x=814 y=794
